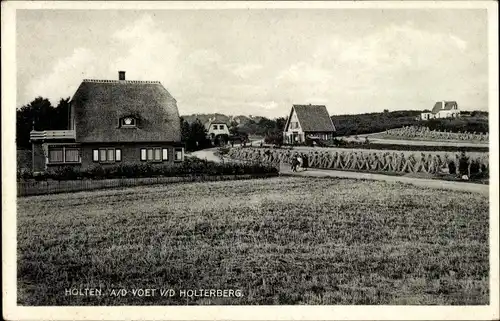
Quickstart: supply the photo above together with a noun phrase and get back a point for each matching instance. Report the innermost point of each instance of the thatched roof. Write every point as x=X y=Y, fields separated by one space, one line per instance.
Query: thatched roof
x=100 y=104
x=448 y=105
x=312 y=118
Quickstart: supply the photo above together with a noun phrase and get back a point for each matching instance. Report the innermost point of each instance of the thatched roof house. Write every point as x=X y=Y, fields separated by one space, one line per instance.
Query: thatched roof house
x=112 y=121
x=308 y=122
x=99 y=107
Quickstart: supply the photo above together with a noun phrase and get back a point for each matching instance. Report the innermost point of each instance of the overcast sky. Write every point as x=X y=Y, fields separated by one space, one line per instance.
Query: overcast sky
x=260 y=62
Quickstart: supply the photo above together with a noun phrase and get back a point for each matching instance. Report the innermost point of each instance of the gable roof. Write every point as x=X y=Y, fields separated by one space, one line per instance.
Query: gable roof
x=448 y=105
x=100 y=104
x=312 y=118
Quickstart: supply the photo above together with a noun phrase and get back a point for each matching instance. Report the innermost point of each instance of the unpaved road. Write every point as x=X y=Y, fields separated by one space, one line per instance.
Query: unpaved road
x=422 y=182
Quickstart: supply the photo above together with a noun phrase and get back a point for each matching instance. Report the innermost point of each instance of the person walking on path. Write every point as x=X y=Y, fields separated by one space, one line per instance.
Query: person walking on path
x=305 y=162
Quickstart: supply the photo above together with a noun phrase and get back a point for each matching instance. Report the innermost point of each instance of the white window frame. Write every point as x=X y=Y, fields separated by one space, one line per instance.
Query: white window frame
x=105 y=160
x=148 y=154
x=123 y=125
x=181 y=149
x=165 y=154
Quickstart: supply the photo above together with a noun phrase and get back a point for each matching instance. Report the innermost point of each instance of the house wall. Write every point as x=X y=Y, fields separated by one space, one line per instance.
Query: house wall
x=321 y=135
x=130 y=153
x=448 y=113
x=427 y=116
x=39 y=157
x=288 y=135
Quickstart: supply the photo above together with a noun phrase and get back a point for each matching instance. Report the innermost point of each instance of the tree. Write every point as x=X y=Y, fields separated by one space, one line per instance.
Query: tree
x=280 y=123
x=38 y=114
x=233 y=128
x=61 y=115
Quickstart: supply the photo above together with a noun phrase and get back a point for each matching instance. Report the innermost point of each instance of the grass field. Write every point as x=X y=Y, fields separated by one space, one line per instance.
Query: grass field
x=279 y=241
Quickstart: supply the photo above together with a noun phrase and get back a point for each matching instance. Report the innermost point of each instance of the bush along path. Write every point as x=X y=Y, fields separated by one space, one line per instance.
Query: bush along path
x=190 y=167
x=384 y=162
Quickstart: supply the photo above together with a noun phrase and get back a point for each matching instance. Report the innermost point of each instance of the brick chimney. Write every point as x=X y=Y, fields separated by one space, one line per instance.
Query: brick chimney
x=121 y=75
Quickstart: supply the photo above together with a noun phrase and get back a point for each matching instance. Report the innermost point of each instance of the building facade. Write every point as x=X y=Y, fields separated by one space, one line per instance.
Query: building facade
x=442 y=109
x=308 y=123
x=112 y=122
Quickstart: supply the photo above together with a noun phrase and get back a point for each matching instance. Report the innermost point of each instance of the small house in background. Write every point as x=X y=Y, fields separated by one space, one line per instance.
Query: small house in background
x=442 y=109
x=217 y=127
x=308 y=122
x=111 y=122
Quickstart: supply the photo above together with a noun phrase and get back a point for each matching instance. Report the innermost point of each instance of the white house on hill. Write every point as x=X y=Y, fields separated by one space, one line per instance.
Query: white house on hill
x=442 y=109
x=217 y=127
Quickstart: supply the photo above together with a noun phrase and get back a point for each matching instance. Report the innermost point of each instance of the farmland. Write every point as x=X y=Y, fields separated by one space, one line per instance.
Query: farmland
x=279 y=241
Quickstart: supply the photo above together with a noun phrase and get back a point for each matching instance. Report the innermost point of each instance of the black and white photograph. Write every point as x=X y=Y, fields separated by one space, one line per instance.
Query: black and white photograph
x=231 y=159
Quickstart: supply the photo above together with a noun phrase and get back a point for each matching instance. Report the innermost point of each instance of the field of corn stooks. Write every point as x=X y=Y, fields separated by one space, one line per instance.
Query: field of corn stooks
x=383 y=161
x=410 y=132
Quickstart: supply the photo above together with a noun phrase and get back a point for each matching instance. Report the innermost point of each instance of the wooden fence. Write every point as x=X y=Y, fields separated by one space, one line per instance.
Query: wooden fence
x=28 y=188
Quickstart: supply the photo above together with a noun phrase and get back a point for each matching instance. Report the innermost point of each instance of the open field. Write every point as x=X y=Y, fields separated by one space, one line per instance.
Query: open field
x=279 y=241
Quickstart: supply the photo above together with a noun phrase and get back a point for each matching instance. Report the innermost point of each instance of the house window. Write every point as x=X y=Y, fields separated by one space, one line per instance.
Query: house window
x=214 y=127
x=56 y=155
x=221 y=126
x=128 y=122
x=157 y=154
x=107 y=155
x=72 y=155
x=165 y=154
x=179 y=154
x=62 y=154
x=154 y=154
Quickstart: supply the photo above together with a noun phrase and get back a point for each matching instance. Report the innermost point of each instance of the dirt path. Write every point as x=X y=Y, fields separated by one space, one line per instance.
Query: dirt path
x=208 y=154
x=421 y=182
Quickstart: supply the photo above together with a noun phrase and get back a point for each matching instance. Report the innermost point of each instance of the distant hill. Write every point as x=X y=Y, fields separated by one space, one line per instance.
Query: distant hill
x=357 y=124
x=204 y=118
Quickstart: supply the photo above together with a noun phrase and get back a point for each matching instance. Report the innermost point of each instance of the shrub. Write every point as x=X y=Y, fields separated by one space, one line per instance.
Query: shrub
x=64 y=173
x=192 y=166
x=24 y=173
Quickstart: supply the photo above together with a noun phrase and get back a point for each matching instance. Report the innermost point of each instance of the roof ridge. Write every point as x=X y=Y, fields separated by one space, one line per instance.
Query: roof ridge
x=106 y=81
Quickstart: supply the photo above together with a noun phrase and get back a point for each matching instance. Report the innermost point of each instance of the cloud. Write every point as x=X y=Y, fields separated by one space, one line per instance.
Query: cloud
x=398 y=67
x=152 y=54
x=65 y=76
x=142 y=49
x=244 y=71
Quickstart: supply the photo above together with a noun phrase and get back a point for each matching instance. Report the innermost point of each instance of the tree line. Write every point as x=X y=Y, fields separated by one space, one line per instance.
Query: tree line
x=40 y=115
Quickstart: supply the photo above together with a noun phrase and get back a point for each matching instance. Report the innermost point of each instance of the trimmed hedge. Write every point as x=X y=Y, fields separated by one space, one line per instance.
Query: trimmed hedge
x=190 y=167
